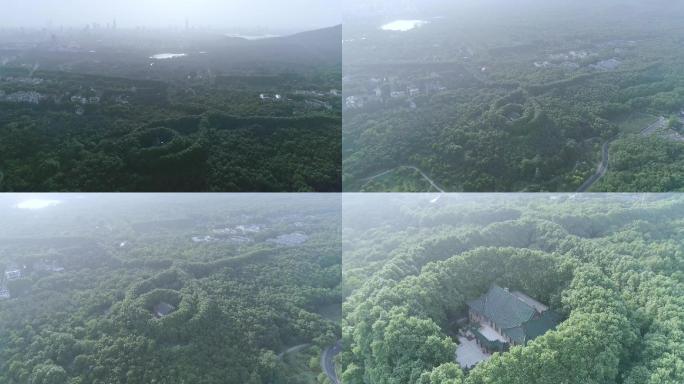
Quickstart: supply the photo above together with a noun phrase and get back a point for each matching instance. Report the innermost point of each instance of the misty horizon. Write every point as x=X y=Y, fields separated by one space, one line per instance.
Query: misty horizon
x=236 y=15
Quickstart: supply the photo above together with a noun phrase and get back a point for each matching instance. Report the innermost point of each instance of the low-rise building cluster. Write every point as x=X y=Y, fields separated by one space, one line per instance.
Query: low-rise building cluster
x=29 y=97
x=4 y=293
x=380 y=91
x=304 y=100
x=22 y=80
x=265 y=97
x=85 y=100
x=13 y=273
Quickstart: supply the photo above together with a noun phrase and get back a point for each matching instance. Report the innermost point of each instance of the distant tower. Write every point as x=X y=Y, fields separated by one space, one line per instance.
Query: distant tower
x=114 y=24
x=187 y=24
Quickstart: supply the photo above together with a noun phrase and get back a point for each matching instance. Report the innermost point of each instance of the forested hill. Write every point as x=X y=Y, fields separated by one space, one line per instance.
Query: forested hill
x=515 y=96
x=611 y=265
x=307 y=49
x=115 y=118
x=241 y=280
x=323 y=45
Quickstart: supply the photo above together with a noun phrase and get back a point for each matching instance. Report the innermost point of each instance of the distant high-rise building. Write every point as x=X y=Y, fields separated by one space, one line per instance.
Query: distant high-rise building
x=187 y=23
x=114 y=24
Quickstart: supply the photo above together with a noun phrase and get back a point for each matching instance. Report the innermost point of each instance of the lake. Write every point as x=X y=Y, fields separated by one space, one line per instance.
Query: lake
x=165 y=56
x=403 y=25
x=34 y=204
x=253 y=37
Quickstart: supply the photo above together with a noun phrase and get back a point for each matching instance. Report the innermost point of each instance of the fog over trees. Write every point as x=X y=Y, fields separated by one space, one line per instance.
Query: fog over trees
x=506 y=96
x=157 y=288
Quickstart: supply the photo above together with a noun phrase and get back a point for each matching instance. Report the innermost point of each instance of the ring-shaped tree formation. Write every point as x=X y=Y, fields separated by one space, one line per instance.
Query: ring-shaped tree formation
x=615 y=275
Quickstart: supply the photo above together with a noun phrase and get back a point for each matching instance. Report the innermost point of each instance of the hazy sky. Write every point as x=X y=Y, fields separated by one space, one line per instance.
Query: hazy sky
x=272 y=14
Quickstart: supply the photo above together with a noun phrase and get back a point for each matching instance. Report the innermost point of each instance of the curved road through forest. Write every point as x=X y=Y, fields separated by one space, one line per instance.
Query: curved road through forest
x=600 y=171
x=327 y=363
x=605 y=156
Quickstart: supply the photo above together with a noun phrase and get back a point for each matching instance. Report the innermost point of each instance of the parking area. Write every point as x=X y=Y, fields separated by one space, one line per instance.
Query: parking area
x=468 y=353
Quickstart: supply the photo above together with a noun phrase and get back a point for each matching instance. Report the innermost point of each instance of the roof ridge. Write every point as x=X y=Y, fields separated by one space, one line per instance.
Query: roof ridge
x=521 y=300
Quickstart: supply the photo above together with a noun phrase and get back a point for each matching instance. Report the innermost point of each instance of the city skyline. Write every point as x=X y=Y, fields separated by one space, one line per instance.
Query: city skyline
x=267 y=15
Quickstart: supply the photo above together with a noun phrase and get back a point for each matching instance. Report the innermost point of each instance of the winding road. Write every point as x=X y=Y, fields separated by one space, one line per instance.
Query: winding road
x=652 y=129
x=327 y=363
x=600 y=171
x=327 y=358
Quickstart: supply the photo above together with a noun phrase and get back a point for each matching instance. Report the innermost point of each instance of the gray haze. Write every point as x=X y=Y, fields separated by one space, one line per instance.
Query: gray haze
x=482 y=8
x=271 y=15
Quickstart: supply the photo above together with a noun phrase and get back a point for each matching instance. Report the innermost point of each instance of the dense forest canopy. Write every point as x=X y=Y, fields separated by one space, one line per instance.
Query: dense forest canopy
x=105 y=110
x=611 y=265
x=168 y=288
x=513 y=96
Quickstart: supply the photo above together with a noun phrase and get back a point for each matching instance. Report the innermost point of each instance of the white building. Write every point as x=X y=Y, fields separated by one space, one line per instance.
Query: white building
x=354 y=102
x=79 y=100
x=267 y=97
x=24 y=97
x=13 y=274
x=318 y=104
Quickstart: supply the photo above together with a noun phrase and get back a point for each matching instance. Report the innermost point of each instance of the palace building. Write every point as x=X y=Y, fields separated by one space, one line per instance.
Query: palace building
x=502 y=318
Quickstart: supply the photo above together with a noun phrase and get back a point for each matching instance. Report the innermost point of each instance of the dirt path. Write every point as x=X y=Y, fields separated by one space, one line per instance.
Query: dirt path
x=296 y=348
x=423 y=174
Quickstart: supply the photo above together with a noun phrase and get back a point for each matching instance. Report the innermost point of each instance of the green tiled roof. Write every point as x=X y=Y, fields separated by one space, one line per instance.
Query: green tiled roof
x=513 y=316
x=537 y=327
x=516 y=334
x=503 y=308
